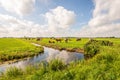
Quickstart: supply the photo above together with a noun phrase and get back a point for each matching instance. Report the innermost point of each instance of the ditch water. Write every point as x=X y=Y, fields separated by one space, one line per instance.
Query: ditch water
x=49 y=54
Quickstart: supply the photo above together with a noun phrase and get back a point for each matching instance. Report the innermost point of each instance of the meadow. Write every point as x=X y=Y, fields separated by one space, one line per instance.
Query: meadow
x=71 y=45
x=103 y=65
x=11 y=49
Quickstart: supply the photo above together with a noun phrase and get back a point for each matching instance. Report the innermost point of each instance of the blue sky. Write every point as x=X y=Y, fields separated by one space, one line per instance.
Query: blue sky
x=82 y=8
x=80 y=18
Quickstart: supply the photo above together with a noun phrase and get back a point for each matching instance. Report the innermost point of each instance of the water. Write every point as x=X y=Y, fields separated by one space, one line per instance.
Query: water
x=48 y=55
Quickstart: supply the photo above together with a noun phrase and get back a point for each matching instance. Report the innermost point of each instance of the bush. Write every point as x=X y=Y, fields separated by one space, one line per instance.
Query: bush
x=91 y=50
x=92 y=47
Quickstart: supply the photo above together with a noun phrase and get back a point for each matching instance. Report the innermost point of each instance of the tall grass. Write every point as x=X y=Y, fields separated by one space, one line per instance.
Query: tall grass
x=56 y=65
x=14 y=72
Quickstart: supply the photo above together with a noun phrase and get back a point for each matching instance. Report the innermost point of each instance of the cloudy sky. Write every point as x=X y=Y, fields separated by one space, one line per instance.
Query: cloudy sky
x=44 y=18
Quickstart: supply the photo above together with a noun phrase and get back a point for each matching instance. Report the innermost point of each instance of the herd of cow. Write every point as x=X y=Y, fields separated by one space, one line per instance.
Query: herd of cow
x=53 y=40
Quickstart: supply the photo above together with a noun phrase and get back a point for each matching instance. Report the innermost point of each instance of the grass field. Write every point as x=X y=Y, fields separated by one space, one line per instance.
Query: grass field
x=103 y=66
x=11 y=48
x=72 y=45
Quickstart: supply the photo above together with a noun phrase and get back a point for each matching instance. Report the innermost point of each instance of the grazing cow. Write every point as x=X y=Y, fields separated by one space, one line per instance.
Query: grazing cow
x=51 y=41
x=58 y=40
x=38 y=39
x=78 y=39
x=66 y=40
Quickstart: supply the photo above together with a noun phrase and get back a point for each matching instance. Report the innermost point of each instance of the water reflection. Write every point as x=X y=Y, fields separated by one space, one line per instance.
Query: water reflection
x=48 y=55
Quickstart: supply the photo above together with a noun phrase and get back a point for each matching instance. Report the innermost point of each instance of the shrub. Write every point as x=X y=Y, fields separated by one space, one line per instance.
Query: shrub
x=92 y=47
x=91 y=50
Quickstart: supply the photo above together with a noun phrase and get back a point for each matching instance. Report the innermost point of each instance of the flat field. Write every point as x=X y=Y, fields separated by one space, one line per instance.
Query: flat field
x=71 y=45
x=11 y=48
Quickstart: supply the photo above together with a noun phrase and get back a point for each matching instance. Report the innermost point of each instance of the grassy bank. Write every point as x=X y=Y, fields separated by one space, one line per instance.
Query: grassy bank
x=72 y=45
x=11 y=49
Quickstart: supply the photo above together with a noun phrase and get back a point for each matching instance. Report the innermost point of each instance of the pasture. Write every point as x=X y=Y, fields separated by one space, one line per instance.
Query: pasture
x=104 y=65
x=71 y=45
x=11 y=49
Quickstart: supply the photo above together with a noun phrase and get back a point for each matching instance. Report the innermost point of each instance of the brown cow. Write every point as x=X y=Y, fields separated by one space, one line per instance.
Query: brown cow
x=51 y=41
x=66 y=40
x=78 y=39
x=58 y=40
x=38 y=39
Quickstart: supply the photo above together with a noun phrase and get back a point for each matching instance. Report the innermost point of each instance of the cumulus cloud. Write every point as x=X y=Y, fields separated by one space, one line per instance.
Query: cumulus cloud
x=12 y=27
x=105 y=21
x=20 y=7
x=59 y=18
x=58 y=22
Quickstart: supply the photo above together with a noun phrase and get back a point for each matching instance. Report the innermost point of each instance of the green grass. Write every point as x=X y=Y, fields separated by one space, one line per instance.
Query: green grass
x=115 y=40
x=11 y=48
x=103 y=66
x=72 y=45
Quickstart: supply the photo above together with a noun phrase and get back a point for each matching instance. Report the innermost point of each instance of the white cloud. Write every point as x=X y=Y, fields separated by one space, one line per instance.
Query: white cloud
x=105 y=21
x=20 y=7
x=58 y=22
x=59 y=18
x=11 y=26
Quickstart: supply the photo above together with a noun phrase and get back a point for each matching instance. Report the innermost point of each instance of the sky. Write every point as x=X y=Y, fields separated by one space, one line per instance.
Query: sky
x=59 y=18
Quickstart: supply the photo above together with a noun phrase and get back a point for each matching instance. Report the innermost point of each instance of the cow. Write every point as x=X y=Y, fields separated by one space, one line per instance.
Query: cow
x=38 y=39
x=78 y=39
x=58 y=40
x=51 y=41
x=66 y=40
